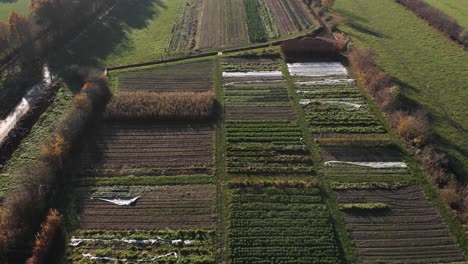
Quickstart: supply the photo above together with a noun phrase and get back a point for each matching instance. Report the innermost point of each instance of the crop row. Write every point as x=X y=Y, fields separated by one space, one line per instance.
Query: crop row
x=280 y=225
x=189 y=77
x=257 y=32
x=201 y=250
x=250 y=65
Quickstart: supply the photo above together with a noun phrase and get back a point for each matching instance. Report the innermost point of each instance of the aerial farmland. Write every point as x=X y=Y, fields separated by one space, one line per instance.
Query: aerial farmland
x=232 y=131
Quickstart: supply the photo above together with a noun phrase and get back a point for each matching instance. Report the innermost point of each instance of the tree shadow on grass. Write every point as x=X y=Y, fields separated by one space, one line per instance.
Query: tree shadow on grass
x=365 y=30
x=101 y=38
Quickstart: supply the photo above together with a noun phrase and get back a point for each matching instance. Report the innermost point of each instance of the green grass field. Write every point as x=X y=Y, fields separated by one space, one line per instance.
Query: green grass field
x=431 y=68
x=149 y=42
x=21 y=6
x=458 y=9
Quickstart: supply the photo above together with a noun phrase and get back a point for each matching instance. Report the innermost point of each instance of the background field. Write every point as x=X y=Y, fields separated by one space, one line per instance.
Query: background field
x=21 y=6
x=458 y=9
x=431 y=69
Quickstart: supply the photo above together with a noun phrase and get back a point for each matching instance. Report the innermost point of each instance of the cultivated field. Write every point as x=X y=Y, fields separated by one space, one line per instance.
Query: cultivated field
x=290 y=15
x=222 y=23
x=332 y=102
x=159 y=207
x=263 y=137
x=289 y=224
x=409 y=230
x=188 y=77
x=125 y=149
x=135 y=245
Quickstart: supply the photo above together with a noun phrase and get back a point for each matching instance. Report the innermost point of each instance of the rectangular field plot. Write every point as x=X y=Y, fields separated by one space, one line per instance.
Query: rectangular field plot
x=255 y=90
x=333 y=104
x=408 y=230
x=266 y=148
x=280 y=225
x=361 y=154
x=344 y=173
x=184 y=32
x=158 y=207
x=144 y=245
x=222 y=23
x=145 y=149
x=188 y=77
x=289 y=15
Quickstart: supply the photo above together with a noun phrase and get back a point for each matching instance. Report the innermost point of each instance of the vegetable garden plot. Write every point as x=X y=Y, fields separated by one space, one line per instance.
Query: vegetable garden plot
x=189 y=77
x=159 y=207
x=359 y=174
x=250 y=65
x=290 y=15
x=317 y=69
x=202 y=246
x=280 y=225
x=410 y=231
x=361 y=154
x=184 y=33
x=337 y=108
x=258 y=101
x=266 y=148
x=223 y=23
x=124 y=149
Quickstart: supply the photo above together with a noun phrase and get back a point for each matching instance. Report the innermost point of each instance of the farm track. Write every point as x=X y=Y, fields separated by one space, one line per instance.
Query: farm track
x=411 y=231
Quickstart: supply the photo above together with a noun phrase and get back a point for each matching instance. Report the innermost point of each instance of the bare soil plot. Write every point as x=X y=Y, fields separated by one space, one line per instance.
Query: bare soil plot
x=223 y=23
x=189 y=77
x=290 y=15
x=411 y=231
x=149 y=149
x=159 y=207
x=358 y=154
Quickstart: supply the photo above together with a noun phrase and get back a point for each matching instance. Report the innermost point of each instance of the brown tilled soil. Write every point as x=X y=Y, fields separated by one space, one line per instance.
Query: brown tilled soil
x=260 y=113
x=153 y=149
x=412 y=231
x=189 y=77
x=160 y=207
x=356 y=153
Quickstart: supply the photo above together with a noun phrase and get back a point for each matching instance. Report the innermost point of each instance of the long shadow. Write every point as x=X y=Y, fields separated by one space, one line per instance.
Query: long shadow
x=366 y=30
x=351 y=16
x=102 y=37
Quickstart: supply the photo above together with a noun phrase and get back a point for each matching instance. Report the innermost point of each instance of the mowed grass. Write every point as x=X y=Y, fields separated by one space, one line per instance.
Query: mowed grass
x=30 y=147
x=21 y=6
x=431 y=68
x=147 y=43
x=457 y=9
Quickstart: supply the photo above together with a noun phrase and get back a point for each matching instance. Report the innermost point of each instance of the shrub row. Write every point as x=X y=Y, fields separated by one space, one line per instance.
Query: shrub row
x=413 y=129
x=45 y=238
x=161 y=106
x=39 y=184
x=438 y=19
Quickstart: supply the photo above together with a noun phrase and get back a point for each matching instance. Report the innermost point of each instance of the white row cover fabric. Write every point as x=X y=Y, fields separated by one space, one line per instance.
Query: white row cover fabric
x=377 y=165
x=309 y=101
x=326 y=82
x=174 y=254
x=118 y=201
x=253 y=74
x=75 y=242
x=317 y=69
